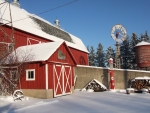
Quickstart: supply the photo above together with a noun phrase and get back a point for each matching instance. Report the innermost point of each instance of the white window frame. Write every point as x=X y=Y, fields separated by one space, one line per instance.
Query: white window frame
x=30 y=79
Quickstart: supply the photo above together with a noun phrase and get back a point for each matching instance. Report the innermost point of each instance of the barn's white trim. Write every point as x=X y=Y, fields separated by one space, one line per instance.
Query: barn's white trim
x=46 y=74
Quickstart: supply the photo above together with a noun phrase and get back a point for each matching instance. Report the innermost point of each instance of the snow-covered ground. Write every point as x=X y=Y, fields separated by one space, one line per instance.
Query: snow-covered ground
x=81 y=102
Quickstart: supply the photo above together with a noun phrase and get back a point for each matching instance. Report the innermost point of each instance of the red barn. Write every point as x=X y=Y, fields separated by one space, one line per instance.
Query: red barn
x=56 y=52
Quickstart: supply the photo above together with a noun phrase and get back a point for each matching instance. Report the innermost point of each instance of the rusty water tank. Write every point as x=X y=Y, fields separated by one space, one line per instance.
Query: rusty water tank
x=143 y=54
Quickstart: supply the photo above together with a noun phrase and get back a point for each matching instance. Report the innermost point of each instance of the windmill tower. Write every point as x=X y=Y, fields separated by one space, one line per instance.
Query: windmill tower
x=118 y=33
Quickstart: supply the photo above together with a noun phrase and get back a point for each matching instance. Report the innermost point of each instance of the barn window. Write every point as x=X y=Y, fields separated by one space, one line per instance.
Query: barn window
x=82 y=60
x=61 y=55
x=30 y=74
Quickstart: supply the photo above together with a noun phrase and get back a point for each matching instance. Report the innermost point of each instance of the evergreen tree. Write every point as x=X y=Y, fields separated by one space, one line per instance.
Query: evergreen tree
x=100 y=56
x=91 y=56
x=134 y=39
x=146 y=37
x=133 y=42
x=110 y=53
x=125 y=54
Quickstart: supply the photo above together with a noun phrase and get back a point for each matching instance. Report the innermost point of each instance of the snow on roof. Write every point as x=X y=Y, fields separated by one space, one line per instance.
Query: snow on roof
x=114 y=68
x=142 y=43
x=102 y=85
x=21 y=20
x=36 y=52
x=94 y=80
x=142 y=78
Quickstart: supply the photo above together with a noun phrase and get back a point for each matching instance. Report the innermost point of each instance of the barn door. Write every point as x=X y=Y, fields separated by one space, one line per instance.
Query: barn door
x=62 y=80
x=67 y=79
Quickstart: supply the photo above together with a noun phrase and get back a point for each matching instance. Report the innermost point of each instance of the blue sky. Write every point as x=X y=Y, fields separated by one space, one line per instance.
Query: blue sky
x=92 y=20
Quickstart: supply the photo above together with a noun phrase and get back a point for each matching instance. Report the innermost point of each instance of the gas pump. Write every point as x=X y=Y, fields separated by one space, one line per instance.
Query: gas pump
x=111 y=71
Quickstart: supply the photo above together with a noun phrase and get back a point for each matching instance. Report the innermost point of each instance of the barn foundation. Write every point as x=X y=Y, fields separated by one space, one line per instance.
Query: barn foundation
x=38 y=93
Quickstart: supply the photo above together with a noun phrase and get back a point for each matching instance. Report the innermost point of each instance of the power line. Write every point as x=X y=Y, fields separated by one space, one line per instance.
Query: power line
x=50 y=9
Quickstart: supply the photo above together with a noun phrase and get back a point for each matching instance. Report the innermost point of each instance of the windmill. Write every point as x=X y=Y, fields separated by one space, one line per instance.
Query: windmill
x=118 y=33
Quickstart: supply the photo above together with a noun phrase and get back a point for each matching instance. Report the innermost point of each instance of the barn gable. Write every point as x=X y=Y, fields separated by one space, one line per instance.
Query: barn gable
x=63 y=55
x=51 y=52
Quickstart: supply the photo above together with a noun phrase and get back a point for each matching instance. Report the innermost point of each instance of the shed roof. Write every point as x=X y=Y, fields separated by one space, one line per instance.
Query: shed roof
x=42 y=51
x=34 y=24
x=36 y=52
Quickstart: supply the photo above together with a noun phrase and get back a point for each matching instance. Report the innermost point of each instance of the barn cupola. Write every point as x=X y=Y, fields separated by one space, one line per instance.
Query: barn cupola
x=15 y=3
x=57 y=23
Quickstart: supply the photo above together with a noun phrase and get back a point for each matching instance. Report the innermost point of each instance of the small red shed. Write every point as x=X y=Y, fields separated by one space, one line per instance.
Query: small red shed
x=50 y=73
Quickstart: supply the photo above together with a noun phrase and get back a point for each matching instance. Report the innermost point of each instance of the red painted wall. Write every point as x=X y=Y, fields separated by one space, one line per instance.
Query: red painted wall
x=39 y=82
x=22 y=39
x=50 y=76
x=79 y=55
x=68 y=59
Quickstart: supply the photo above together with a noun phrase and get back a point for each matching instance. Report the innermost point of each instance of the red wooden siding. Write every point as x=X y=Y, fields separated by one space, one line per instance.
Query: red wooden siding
x=3 y=37
x=50 y=76
x=23 y=38
x=78 y=55
x=68 y=60
x=39 y=82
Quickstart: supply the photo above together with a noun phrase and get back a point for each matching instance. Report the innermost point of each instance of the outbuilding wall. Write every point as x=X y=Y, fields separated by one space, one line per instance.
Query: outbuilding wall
x=122 y=77
x=39 y=82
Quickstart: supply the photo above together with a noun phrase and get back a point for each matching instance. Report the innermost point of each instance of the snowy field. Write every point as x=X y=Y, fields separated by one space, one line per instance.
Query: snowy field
x=81 y=102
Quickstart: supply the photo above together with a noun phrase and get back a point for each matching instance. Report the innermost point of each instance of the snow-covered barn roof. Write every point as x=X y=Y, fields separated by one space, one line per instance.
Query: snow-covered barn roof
x=142 y=43
x=36 y=52
x=34 y=24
